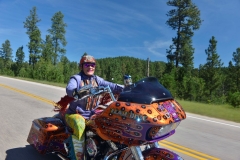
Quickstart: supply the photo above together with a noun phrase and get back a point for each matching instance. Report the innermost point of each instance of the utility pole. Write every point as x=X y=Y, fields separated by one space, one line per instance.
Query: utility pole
x=148 y=67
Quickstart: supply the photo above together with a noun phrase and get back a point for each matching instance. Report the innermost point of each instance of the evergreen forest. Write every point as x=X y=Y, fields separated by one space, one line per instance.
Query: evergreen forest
x=209 y=83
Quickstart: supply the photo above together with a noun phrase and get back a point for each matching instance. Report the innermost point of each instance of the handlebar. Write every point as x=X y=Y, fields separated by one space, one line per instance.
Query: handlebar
x=89 y=90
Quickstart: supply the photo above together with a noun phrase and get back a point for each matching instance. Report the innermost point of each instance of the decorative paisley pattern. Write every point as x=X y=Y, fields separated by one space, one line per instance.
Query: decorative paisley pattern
x=128 y=123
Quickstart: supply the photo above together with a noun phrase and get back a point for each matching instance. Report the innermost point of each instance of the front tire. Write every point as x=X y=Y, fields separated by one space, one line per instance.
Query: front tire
x=152 y=154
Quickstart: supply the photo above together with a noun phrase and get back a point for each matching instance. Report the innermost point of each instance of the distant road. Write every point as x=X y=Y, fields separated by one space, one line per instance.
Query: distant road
x=197 y=137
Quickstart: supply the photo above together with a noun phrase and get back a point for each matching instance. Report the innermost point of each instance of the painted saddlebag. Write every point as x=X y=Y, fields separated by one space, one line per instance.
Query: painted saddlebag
x=47 y=135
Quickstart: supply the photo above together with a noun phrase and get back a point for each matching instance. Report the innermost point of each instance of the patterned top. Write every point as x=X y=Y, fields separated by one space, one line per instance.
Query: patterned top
x=79 y=80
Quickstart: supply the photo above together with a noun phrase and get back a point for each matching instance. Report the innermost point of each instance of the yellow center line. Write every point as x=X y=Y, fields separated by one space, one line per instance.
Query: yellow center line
x=164 y=143
x=182 y=151
x=29 y=94
x=189 y=151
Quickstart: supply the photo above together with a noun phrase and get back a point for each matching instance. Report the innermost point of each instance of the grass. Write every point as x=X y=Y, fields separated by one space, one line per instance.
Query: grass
x=225 y=111
x=41 y=81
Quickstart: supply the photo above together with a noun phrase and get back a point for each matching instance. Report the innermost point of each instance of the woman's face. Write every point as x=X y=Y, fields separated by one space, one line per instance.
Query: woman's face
x=89 y=68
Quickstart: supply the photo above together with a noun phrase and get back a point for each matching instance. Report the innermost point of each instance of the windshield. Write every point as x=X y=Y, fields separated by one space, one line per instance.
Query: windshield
x=145 y=91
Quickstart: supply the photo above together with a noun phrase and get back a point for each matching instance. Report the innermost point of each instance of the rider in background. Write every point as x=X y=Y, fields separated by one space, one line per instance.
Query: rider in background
x=127 y=79
x=79 y=110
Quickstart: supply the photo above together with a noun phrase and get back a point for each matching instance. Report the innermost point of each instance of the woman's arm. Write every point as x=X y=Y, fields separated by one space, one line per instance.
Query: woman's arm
x=71 y=86
x=116 y=88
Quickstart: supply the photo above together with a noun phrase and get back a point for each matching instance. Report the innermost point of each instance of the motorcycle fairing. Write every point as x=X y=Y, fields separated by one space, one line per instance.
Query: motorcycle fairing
x=134 y=124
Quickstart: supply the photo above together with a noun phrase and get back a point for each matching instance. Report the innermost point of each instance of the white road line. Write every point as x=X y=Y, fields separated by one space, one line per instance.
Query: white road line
x=214 y=121
x=36 y=83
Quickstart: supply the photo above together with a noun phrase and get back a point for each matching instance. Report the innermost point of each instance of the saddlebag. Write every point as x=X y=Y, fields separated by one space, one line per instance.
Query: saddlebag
x=47 y=135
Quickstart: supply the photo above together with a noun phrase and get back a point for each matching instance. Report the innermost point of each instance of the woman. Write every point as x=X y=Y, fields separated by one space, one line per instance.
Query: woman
x=79 y=111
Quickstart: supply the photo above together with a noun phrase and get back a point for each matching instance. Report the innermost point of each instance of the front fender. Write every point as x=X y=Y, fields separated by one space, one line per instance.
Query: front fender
x=160 y=154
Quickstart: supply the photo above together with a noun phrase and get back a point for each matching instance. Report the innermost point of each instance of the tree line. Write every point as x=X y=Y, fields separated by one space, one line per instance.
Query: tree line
x=210 y=82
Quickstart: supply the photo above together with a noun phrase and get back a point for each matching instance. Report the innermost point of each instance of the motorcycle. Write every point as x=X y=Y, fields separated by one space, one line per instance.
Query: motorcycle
x=126 y=126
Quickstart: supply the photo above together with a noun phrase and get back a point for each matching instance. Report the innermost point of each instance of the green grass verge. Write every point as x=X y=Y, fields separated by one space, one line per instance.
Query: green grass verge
x=43 y=82
x=225 y=112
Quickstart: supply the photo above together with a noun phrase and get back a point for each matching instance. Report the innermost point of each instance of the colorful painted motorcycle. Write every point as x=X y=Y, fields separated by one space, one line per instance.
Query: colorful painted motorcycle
x=123 y=129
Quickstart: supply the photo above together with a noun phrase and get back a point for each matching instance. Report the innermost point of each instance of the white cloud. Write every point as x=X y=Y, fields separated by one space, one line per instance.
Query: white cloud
x=158 y=47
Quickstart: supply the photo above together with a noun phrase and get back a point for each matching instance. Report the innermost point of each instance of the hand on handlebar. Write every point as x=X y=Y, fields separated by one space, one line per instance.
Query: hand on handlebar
x=80 y=94
x=88 y=90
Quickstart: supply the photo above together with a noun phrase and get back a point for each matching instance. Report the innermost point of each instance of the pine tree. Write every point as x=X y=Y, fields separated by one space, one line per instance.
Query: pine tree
x=230 y=82
x=19 y=60
x=6 y=54
x=236 y=59
x=57 y=33
x=211 y=71
x=47 y=49
x=34 y=34
x=185 y=19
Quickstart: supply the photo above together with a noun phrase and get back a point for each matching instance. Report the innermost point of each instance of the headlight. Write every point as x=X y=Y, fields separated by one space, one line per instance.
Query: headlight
x=165 y=130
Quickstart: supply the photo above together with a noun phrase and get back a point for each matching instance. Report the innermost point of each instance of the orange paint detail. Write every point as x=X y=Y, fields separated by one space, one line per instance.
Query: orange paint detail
x=122 y=120
x=50 y=127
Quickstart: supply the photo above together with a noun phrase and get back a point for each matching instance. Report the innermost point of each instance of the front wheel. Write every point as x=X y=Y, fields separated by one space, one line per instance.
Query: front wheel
x=152 y=154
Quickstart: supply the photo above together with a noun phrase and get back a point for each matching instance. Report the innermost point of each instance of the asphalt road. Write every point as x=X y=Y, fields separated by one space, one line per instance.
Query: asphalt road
x=197 y=137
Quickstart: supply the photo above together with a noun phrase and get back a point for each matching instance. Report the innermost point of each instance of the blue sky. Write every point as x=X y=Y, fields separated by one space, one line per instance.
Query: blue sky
x=112 y=28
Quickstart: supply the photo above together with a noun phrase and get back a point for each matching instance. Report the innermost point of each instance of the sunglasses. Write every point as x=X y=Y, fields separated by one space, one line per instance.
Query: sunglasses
x=89 y=64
